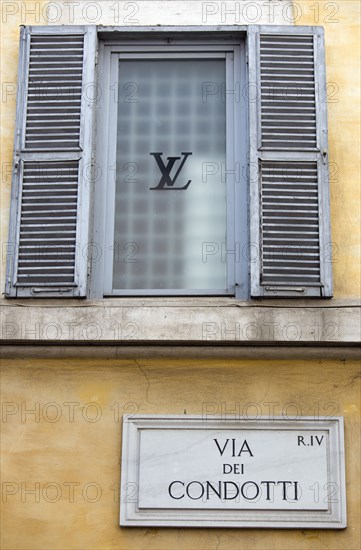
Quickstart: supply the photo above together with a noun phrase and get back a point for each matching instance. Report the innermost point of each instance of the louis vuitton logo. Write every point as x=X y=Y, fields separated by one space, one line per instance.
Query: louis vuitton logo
x=166 y=182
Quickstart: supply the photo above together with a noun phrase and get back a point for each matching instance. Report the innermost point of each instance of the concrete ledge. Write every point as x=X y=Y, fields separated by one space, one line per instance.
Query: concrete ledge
x=172 y=352
x=181 y=321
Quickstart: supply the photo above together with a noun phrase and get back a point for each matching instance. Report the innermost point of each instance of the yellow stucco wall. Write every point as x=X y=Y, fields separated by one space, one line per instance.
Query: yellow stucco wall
x=341 y=21
x=37 y=450
x=12 y=15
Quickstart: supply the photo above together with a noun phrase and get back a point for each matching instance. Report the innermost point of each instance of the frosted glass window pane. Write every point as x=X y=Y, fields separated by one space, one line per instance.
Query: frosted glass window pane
x=162 y=108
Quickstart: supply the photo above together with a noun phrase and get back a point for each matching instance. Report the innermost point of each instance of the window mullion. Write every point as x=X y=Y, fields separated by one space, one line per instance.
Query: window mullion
x=110 y=255
x=228 y=248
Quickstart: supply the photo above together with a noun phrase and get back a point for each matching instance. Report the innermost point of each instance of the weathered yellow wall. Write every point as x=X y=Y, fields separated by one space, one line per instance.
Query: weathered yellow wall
x=38 y=450
x=341 y=21
x=12 y=15
x=86 y=452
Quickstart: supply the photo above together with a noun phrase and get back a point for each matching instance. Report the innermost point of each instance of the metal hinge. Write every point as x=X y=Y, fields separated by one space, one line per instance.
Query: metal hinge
x=16 y=166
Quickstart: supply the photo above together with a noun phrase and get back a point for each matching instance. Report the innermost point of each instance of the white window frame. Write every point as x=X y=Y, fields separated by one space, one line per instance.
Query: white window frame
x=233 y=51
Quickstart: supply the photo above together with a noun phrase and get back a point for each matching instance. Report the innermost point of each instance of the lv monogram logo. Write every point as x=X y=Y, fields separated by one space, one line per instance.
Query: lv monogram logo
x=166 y=183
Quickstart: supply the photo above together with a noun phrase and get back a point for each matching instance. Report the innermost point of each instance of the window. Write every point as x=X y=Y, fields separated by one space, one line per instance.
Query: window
x=207 y=175
x=169 y=128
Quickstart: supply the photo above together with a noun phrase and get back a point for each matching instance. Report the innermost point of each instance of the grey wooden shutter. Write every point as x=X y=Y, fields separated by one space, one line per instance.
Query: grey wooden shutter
x=289 y=184
x=49 y=217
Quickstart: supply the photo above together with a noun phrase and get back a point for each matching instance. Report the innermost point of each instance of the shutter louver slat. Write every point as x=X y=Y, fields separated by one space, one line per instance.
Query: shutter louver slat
x=63 y=57
x=50 y=194
x=287 y=227
x=283 y=65
x=289 y=208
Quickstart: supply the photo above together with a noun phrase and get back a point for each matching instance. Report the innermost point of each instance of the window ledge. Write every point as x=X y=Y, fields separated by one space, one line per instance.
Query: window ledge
x=182 y=321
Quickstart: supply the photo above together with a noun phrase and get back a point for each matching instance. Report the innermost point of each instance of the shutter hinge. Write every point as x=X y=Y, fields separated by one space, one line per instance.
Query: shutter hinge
x=96 y=57
x=16 y=163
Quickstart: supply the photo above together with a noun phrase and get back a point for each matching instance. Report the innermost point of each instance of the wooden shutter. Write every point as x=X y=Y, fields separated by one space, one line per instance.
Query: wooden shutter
x=49 y=217
x=289 y=184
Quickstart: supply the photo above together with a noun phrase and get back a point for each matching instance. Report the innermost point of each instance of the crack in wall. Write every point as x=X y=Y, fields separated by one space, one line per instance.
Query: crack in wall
x=147 y=380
